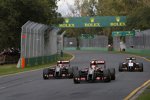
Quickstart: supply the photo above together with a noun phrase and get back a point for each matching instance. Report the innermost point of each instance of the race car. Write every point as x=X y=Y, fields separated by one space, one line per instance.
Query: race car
x=61 y=70
x=96 y=72
x=131 y=65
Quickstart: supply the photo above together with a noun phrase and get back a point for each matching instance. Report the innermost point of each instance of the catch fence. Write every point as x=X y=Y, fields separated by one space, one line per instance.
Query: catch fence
x=38 y=43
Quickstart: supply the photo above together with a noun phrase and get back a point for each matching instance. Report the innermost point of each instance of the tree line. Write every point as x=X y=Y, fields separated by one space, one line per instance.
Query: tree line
x=15 y=13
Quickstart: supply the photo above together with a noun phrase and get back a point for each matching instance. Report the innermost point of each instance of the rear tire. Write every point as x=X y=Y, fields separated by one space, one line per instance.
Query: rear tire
x=45 y=73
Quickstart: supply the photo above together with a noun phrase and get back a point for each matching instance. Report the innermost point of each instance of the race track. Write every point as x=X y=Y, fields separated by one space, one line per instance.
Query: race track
x=31 y=86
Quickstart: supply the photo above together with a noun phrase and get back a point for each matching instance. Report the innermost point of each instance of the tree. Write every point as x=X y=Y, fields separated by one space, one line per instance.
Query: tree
x=139 y=19
x=14 y=13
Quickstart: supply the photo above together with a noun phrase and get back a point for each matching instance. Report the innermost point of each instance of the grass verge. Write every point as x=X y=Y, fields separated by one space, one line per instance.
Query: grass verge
x=145 y=95
x=11 y=68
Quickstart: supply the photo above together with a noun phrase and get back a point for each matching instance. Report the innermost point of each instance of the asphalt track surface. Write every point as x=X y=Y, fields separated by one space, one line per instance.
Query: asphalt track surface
x=31 y=86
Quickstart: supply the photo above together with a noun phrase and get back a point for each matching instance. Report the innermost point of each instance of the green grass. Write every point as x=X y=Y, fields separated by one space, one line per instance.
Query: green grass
x=11 y=68
x=145 y=95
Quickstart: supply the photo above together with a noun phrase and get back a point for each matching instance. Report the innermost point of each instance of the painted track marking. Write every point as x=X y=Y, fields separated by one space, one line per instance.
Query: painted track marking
x=136 y=90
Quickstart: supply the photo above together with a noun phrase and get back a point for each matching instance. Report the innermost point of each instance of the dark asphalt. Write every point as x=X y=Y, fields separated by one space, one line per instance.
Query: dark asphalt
x=31 y=86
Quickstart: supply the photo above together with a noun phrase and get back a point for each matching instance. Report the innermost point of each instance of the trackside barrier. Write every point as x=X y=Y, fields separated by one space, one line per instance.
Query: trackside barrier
x=41 y=60
x=140 y=41
x=38 y=44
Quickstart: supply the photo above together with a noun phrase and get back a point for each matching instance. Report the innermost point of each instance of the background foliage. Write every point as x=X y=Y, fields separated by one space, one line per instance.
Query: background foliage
x=137 y=12
x=14 y=13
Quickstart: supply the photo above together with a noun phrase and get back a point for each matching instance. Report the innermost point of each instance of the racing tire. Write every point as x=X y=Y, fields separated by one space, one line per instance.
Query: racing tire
x=76 y=75
x=112 y=73
x=120 y=67
x=45 y=73
x=107 y=75
x=141 y=67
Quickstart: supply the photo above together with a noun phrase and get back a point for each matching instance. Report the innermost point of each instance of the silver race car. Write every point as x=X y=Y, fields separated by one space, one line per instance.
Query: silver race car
x=96 y=72
x=131 y=65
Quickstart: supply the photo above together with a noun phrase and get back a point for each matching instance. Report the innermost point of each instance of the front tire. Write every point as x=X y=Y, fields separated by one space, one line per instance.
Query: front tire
x=112 y=72
x=107 y=75
x=141 y=67
x=120 y=67
x=45 y=73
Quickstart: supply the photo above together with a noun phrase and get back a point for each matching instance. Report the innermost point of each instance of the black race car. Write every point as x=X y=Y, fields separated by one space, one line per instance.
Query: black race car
x=131 y=65
x=62 y=70
x=95 y=73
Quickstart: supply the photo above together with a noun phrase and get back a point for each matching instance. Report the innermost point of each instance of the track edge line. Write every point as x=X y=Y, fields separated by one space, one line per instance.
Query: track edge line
x=136 y=90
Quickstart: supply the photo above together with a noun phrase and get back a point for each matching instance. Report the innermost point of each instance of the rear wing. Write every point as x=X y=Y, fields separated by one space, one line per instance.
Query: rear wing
x=131 y=58
x=63 y=62
x=97 y=62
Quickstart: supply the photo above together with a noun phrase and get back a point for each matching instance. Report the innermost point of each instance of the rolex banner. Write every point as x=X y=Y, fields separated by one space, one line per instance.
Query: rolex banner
x=98 y=21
